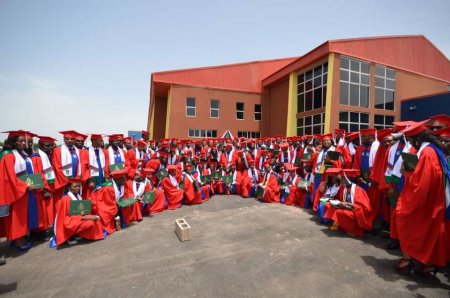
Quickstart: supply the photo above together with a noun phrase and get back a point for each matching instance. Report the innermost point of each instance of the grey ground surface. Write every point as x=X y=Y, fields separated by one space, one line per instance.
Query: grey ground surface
x=238 y=248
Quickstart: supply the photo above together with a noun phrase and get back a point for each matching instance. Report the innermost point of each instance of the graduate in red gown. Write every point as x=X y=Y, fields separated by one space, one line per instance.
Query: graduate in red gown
x=423 y=209
x=171 y=187
x=329 y=189
x=250 y=180
x=353 y=214
x=26 y=211
x=270 y=185
x=68 y=226
x=290 y=180
x=192 y=187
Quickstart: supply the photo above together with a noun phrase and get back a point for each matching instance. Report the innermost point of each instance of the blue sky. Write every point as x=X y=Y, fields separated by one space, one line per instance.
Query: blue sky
x=86 y=65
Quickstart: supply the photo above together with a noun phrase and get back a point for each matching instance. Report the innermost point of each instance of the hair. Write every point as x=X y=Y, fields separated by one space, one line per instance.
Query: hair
x=426 y=136
x=10 y=143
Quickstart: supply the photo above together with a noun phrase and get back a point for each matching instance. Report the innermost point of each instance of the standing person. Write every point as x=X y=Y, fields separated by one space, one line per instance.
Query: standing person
x=97 y=162
x=25 y=210
x=423 y=209
x=68 y=226
x=115 y=155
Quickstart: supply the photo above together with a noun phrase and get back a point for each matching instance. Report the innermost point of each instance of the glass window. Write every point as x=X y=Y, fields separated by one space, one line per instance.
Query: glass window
x=239 y=110
x=258 y=113
x=310 y=124
x=310 y=89
x=214 y=110
x=383 y=121
x=384 y=88
x=201 y=133
x=354 y=83
x=353 y=121
x=190 y=107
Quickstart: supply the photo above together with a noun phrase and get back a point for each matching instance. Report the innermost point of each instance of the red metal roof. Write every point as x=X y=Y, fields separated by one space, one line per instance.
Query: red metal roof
x=240 y=77
x=414 y=53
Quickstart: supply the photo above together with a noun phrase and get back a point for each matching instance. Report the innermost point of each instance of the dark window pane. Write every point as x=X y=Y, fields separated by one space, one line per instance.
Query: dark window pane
x=354 y=95
x=317 y=82
x=299 y=122
x=379 y=71
x=258 y=116
x=190 y=102
x=203 y=133
x=364 y=118
x=363 y=126
x=354 y=127
x=317 y=119
x=379 y=82
x=308 y=120
x=365 y=67
x=318 y=71
x=301 y=78
x=389 y=120
x=317 y=98
x=214 y=104
x=240 y=106
x=308 y=86
x=308 y=101
x=354 y=77
x=354 y=65
x=240 y=115
x=365 y=79
x=389 y=100
x=191 y=132
x=300 y=103
x=364 y=96
x=343 y=116
x=325 y=67
x=307 y=130
x=390 y=73
x=317 y=129
x=390 y=84
x=300 y=88
x=214 y=133
x=354 y=117
x=308 y=75
x=300 y=131
x=344 y=75
x=324 y=80
x=190 y=111
x=324 y=95
x=214 y=113
x=258 y=108
x=379 y=119
x=379 y=98
x=344 y=93
x=343 y=126
x=345 y=63
x=379 y=127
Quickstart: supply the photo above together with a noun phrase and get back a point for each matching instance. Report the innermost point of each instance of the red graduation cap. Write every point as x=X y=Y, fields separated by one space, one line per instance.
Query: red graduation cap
x=145 y=133
x=118 y=173
x=443 y=132
x=415 y=128
x=442 y=118
x=128 y=139
x=352 y=135
x=96 y=136
x=333 y=171
x=367 y=131
x=284 y=146
x=351 y=173
x=112 y=137
x=267 y=163
x=326 y=136
x=145 y=172
x=251 y=162
x=339 y=131
x=188 y=166
x=20 y=133
x=81 y=137
x=141 y=143
x=72 y=134
x=171 y=167
x=381 y=134
x=163 y=154
x=75 y=180
x=45 y=139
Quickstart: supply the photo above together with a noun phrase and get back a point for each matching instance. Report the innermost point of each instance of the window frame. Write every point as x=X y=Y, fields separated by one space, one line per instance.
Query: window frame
x=358 y=75
x=211 y=109
x=348 y=123
x=202 y=133
x=302 y=124
x=258 y=113
x=240 y=111
x=307 y=87
x=384 y=78
x=191 y=107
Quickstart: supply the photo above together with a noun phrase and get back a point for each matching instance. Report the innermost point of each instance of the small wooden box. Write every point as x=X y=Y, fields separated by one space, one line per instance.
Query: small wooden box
x=182 y=229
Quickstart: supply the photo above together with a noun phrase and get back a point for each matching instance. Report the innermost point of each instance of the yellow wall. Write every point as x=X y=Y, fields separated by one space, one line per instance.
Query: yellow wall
x=328 y=110
x=291 y=122
x=169 y=104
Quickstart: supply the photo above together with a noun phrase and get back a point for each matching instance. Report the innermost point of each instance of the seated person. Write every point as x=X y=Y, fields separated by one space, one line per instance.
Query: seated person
x=270 y=184
x=329 y=189
x=171 y=188
x=192 y=188
x=67 y=226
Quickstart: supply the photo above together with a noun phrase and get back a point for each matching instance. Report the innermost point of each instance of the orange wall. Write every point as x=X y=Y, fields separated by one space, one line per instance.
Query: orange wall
x=277 y=107
x=180 y=123
x=159 y=123
x=412 y=85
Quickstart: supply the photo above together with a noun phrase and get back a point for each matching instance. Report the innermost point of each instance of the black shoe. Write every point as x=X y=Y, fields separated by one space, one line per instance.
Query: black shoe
x=393 y=246
x=2 y=260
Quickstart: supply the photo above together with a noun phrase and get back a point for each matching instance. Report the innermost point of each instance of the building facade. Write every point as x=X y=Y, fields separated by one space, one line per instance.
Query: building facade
x=350 y=84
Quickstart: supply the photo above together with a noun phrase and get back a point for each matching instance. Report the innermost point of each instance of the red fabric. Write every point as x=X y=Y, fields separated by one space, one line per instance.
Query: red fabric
x=13 y=192
x=159 y=204
x=318 y=195
x=248 y=183
x=346 y=156
x=272 y=190
x=131 y=213
x=67 y=226
x=104 y=204
x=173 y=194
x=46 y=206
x=293 y=197
x=240 y=162
x=420 y=214
x=126 y=163
x=191 y=196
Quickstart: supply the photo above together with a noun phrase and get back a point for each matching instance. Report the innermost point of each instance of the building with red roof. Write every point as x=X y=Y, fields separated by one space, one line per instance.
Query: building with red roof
x=349 y=83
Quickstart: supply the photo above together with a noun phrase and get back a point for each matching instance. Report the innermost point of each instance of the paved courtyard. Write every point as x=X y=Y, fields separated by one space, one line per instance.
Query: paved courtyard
x=238 y=248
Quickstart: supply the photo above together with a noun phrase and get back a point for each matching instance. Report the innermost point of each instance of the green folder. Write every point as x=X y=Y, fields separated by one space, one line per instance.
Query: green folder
x=410 y=158
x=116 y=166
x=181 y=185
x=297 y=161
x=162 y=173
x=324 y=200
x=260 y=192
x=216 y=175
x=333 y=155
x=126 y=202
x=307 y=156
x=303 y=183
x=80 y=207
x=206 y=179
x=149 y=197
x=227 y=179
x=33 y=179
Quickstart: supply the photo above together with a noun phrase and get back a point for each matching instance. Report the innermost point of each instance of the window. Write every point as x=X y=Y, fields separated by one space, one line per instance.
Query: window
x=383 y=121
x=310 y=124
x=257 y=112
x=214 y=110
x=239 y=110
x=202 y=133
x=353 y=121
x=249 y=134
x=355 y=82
x=190 y=106
x=384 y=88
x=312 y=88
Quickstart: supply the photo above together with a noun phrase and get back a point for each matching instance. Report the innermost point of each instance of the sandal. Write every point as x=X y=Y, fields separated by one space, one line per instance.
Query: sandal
x=404 y=265
x=426 y=271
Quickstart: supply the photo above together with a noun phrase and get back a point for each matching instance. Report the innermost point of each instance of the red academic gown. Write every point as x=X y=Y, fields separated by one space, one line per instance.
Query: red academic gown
x=249 y=181
x=292 y=198
x=420 y=214
x=192 y=196
x=46 y=212
x=173 y=194
x=159 y=203
x=13 y=192
x=354 y=221
x=272 y=189
x=377 y=175
x=104 y=204
x=318 y=195
x=205 y=189
x=67 y=226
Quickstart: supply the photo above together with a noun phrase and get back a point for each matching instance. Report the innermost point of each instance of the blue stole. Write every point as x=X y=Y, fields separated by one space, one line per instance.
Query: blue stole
x=117 y=157
x=32 y=203
x=75 y=162
x=365 y=158
x=446 y=170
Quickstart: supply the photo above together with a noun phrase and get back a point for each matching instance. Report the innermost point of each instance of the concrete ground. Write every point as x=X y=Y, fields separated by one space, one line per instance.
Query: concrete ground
x=238 y=248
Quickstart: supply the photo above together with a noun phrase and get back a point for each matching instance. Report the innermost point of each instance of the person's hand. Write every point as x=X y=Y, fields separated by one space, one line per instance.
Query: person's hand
x=31 y=188
x=91 y=185
x=412 y=167
x=322 y=189
x=46 y=194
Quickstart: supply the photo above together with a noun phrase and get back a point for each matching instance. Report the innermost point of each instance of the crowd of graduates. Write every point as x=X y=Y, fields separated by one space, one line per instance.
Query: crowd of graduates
x=395 y=179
